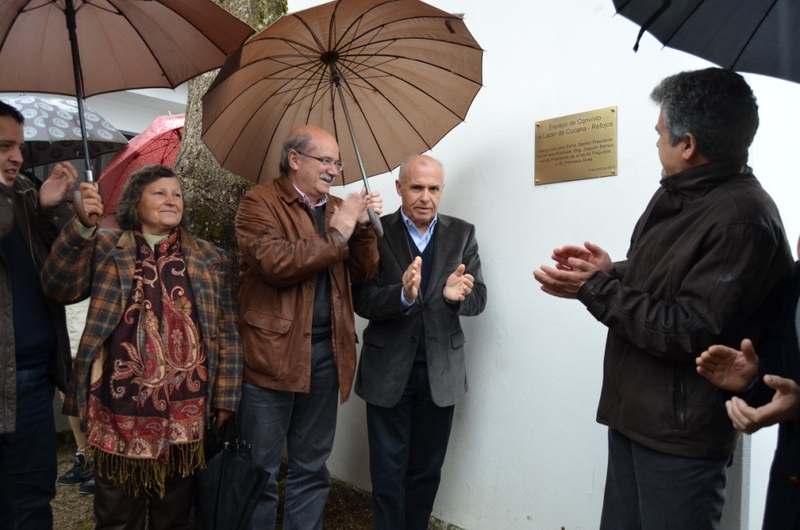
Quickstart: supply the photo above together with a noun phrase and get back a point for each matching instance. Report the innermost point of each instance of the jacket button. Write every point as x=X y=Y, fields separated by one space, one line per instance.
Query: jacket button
x=795 y=481
x=306 y=334
x=75 y=249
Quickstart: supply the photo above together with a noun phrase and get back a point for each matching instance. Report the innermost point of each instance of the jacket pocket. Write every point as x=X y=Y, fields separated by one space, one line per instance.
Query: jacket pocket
x=265 y=342
x=679 y=396
x=457 y=339
x=374 y=338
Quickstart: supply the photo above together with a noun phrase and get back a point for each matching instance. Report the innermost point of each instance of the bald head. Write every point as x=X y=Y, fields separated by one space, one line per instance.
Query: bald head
x=420 y=186
x=416 y=163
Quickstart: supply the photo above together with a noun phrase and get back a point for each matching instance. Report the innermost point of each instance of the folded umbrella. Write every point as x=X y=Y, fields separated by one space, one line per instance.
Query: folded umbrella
x=228 y=489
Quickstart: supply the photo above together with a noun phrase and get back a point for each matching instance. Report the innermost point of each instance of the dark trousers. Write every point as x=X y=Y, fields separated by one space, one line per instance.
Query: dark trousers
x=117 y=511
x=307 y=422
x=407 y=446
x=28 y=466
x=651 y=490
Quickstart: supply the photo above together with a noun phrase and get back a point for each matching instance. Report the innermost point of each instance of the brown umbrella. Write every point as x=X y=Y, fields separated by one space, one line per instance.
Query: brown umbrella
x=124 y=44
x=396 y=75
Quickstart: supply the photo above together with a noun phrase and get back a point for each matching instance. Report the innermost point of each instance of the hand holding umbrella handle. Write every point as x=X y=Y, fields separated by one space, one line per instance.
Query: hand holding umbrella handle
x=376 y=222
x=88 y=220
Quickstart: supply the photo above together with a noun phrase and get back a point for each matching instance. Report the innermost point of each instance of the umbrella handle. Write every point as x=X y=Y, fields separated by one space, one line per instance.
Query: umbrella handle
x=85 y=219
x=376 y=222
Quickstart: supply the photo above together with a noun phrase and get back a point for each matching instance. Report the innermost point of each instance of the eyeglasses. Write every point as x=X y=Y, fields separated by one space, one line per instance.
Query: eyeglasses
x=326 y=161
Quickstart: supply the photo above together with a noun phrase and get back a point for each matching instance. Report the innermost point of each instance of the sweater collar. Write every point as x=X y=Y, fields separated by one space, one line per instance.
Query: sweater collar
x=698 y=180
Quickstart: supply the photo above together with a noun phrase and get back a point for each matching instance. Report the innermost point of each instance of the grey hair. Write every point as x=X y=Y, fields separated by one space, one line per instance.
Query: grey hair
x=404 y=165
x=715 y=105
x=298 y=142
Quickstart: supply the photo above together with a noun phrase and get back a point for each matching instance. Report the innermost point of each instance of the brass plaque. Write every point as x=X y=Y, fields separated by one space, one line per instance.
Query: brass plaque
x=579 y=146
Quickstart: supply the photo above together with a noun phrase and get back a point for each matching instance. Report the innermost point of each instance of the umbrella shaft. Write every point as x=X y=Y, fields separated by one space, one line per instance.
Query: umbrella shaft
x=69 y=10
x=352 y=133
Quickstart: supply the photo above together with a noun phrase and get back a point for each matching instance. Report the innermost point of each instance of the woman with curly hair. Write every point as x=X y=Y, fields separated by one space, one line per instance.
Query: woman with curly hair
x=160 y=355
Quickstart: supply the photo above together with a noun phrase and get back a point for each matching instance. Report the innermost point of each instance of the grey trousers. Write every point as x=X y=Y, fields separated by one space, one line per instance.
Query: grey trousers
x=307 y=422
x=651 y=490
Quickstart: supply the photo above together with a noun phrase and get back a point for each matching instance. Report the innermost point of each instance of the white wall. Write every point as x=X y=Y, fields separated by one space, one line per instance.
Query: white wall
x=134 y=110
x=525 y=451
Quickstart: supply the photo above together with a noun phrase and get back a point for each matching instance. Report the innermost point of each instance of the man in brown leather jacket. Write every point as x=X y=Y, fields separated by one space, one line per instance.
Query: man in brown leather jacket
x=34 y=346
x=301 y=249
x=703 y=261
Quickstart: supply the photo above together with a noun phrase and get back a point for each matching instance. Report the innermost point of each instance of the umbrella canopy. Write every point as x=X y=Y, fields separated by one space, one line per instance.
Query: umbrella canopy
x=756 y=36
x=158 y=144
x=405 y=72
x=87 y=47
x=53 y=132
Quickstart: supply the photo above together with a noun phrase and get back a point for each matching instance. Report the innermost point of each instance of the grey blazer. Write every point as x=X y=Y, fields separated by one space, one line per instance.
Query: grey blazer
x=390 y=340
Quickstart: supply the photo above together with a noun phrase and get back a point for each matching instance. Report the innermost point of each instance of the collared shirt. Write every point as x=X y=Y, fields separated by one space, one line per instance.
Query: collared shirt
x=321 y=202
x=420 y=240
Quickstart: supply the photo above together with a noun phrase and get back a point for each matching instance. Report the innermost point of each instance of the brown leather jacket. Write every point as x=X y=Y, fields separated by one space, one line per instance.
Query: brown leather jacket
x=39 y=229
x=281 y=255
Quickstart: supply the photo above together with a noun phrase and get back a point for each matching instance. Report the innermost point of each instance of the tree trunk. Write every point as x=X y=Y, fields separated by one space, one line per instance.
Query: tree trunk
x=212 y=193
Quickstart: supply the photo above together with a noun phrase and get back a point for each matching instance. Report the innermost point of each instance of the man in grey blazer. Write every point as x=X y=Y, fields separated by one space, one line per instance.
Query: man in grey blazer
x=411 y=371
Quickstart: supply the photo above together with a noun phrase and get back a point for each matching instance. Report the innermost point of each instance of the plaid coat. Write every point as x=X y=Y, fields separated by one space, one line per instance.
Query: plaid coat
x=102 y=267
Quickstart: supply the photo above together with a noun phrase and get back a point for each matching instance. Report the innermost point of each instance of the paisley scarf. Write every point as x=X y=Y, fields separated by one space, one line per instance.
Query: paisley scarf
x=147 y=398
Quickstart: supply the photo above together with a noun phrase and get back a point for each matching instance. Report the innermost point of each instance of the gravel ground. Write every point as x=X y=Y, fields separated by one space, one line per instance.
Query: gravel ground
x=348 y=508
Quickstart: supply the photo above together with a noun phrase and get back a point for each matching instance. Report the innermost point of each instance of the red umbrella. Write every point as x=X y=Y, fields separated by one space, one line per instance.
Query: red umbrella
x=158 y=144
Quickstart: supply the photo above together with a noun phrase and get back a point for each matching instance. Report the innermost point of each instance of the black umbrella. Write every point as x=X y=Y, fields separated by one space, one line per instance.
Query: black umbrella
x=756 y=36
x=228 y=489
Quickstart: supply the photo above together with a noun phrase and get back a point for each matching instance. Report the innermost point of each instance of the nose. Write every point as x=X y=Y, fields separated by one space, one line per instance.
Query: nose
x=16 y=155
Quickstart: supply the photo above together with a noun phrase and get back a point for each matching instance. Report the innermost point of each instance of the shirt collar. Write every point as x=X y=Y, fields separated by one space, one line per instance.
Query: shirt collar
x=321 y=202
x=412 y=228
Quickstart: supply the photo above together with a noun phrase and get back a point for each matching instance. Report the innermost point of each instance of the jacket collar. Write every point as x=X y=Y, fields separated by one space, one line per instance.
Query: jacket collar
x=286 y=190
x=698 y=180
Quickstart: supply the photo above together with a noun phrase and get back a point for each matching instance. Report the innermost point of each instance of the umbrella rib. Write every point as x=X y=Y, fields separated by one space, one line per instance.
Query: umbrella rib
x=679 y=26
x=752 y=35
x=390 y=58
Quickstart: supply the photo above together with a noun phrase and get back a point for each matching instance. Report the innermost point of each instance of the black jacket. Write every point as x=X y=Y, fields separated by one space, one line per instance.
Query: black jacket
x=39 y=229
x=703 y=260
x=782 y=357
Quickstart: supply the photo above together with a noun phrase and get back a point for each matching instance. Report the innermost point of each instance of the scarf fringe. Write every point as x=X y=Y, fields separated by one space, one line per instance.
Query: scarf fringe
x=135 y=476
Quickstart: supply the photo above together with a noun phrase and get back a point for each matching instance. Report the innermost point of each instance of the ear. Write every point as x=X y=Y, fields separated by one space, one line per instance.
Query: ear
x=690 y=150
x=398 y=187
x=294 y=160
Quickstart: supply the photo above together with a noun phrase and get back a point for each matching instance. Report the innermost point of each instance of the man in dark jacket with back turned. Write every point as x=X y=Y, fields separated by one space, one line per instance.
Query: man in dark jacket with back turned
x=34 y=346
x=703 y=259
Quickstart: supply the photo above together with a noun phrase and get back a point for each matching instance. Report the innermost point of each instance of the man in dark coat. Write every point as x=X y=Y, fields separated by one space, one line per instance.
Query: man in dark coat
x=412 y=369
x=34 y=346
x=703 y=258
x=777 y=398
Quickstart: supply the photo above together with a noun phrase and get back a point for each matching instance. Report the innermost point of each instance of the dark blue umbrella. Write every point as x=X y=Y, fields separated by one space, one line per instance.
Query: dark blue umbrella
x=755 y=36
